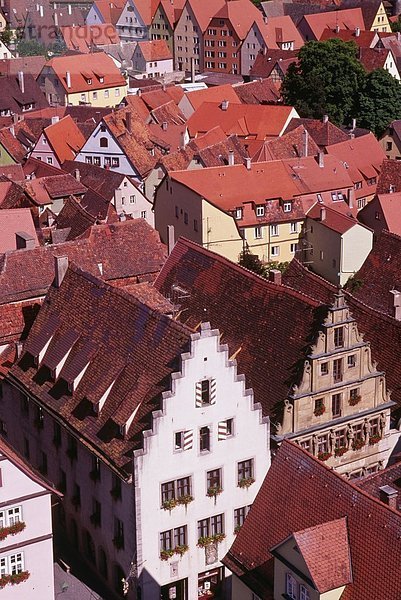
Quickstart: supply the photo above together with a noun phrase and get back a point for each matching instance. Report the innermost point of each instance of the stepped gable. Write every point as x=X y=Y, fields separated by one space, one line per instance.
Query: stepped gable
x=266 y=326
x=103 y=389
x=300 y=492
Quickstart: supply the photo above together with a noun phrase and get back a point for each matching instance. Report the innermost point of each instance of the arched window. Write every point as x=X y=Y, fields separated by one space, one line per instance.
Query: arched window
x=104 y=142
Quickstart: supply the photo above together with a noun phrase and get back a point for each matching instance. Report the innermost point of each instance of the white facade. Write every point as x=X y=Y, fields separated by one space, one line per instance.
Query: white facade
x=129 y=199
x=130 y=26
x=25 y=504
x=163 y=462
x=43 y=151
x=151 y=69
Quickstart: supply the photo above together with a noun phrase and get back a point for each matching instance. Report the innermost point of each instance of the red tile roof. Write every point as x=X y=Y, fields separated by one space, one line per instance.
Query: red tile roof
x=86 y=316
x=110 y=11
x=345 y=19
x=44 y=190
x=85 y=37
x=373 y=58
x=155 y=50
x=84 y=67
x=241 y=16
x=323 y=133
x=249 y=121
x=263 y=91
x=334 y=220
x=103 y=181
x=204 y=10
x=128 y=250
x=65 y=139
x=10 y=143
x=365 y=39
x=13 y=221
x=390 y=205
x=289 y=145
x=281 y=29
x=216 y=93
x=300 y=492
x=74 y=218
x=266 y=62
x=390 y=176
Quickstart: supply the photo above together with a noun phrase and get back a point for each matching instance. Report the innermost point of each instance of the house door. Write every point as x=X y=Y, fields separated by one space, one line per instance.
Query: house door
x=175 y=591
x=210 y=584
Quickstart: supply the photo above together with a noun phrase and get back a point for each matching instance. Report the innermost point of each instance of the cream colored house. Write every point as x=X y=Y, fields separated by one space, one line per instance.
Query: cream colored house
x=380 y=20
x=340 y=408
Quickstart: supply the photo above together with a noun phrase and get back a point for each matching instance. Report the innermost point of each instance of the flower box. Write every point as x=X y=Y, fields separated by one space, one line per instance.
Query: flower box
x=14 y=579
x=11 y=529
x=374 y=439
x=237 y=529
x=180 y=550
x=324 y=455
x=358 y=443
x=319 y=410
x=354 y=401
x=185 y=500
x=170 y=504
x=210 y=539
x=214 y=491
x=166 y=554
x=340 y=451
x=246 y=482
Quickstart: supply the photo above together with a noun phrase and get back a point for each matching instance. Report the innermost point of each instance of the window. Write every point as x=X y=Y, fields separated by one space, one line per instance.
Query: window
x=83 y=97
x=62 y=485
x=337 y=370
x=322 y=444
x=351 y=360
x=303 y=593
x=319 y=407
x=336 y=405
x=361 y=203
x=116 y=487
x=287 y=207
x=245 y=470
x=294 y=227
x=204 y=439
x=43 y=463
x=96 y=516
x=214 y=480
x=239 y=517
x=12 y=564
x=324 y=368
x=195 y=225
x=168 y=491
x=290 y=586
x=354 y=395
x=186 y=218
x=72 y=448
x=106 y=93
x=38 y=417
x=49 y=160
x=94 y=95
x=273 y=230
x=293 y=248
x=339 y=337
x=115 y=161
x=230 y=427
x=10 y=516
x=183 y=440
x=389 y=146
x=358 y=185
x=260 y=211
x=26 y=448
x=183 y=487
x=275 y=251
x=96 y=161
x=24 y=405
x=76 y=498
x=205 y=392
x=321 y=255
x=118 y=533
x=238 y=213
x=180 y=536
x=104 y=142
x=258 y=233
x=340 y=439
x=116 y=92
x=95 y=472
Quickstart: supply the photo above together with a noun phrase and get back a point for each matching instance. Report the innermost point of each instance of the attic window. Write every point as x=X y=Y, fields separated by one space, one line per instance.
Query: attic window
x=101 y=79
x=260 y=211
x=287 y=207
x=238 y=213
x=89 y=81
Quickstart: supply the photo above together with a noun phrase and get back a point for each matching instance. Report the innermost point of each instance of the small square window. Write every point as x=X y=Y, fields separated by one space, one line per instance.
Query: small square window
x=287 y=206
x=275 y=251
x=324 y=368
x=258 y=233
x=260 y=211
x=351 y=361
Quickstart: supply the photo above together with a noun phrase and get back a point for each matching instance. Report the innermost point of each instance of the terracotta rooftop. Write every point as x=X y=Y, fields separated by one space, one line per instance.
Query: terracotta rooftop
x=364 y=39
x=110 y=11
x=97 y=67
x=65 y=139
x=27 y=64
x=155 y=50
x=73 y=219
x=216 y=93
x=334 y=220
x=205 y=10
x=12 y=222
x=129 y=251
x=281 y=29
x=323 y=133
x=103 y=181
x=44 y=190
x=85 y=37
x=258 y=92
x=390 y=175
x=344 y=19
x=12 y=145
x=299 y=492
x=84 y=317
x=373 y=58
x=289 y=145
x=265 y=63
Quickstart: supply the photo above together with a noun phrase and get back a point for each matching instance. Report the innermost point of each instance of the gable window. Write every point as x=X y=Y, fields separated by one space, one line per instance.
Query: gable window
x=204 y=439
x=339 y=337
x=104 y=142
x=95 y=472
x=12 y=564
x=49 y=160
x=205 y=392
x=238 y=213
x=336 y=405
x=291 y=586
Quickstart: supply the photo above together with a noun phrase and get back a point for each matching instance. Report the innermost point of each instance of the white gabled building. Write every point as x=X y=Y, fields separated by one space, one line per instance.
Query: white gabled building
x=148 y=429
x=198 y=473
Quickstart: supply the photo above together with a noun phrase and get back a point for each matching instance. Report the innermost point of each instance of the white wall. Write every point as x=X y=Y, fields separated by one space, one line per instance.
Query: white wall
x=160 y=463
x=357 y=243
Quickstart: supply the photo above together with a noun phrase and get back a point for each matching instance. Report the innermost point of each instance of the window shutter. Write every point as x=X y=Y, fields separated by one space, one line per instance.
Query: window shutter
x=198 y=394
x=188 y=439
x=222 y=430
x=212 y=391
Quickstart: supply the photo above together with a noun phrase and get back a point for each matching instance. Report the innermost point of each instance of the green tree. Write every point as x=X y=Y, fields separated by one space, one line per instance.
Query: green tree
x=252 y=262
x=379 y=101
x=6 y=36
x=325 y=80
x=396 y=26
x=31 y=48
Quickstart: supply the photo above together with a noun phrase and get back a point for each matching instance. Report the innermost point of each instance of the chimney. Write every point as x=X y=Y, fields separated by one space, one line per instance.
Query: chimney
x=55 y=120
x=231 y=158
x=192 y=70
x=391 y=189
x=41 y=11
x=325 y=118
x=55 y=19
x=321 y=159
x=21 y=81
x=69 y=9
x=395 y=304
x=164 y=87
x=351 y=198
x=322 y=213
x=24 y=240
x=224 y=105
x=337 y=28
x=305 y=141
x=60 y=268
x=164 y=125
x=182 y=140
x=77 y=174
x=389 y=496
x=353 y=124
x=357 y=31
x=275 y=276
x=68 y=79
x=19 y=347
x=248 y=163
x=128 y=121
x=170 y=239
x=264 y=49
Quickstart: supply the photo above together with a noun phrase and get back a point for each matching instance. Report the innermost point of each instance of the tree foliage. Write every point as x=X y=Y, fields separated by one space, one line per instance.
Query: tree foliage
x=252 y=262
x=396 y=25
x=325 y=80
x=379 y=101
x=31 y=48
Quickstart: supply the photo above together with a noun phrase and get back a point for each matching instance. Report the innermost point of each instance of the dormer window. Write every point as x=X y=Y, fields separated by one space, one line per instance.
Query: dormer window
x=89 y=81
x=287 y=207
x=101 y=79
x=291 y=586
x=260 y=211
x=238 y=213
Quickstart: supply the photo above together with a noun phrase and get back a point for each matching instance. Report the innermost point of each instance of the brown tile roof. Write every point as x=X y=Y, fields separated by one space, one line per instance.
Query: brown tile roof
x=34 y=168
x=300 y=492
x=16 y=320
x=65 y=139
x=373 y=58
x=131 y=249
x=27 y=64
x=289 y=145
x=323 y=133
x=155 y=50
x=390 y=476
x=382 y=331
x=344 y=19
x=90 y=313
x=44 y=190
x=369 y=9
x=137 y=143
x=12 y=145
x=251 y=121
x=87 y=66
x=98 y=207
x=85 y=37
x=147 y=294
x=74 y=219
x=334 y=220
x=12 y=172
x=390 y=205
x=390 y=175
x=12 y=195
x=13 y=221
x=221 y=292
x=365 y=39
x=103 y=181
x=258 y=92
x=265 y=63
